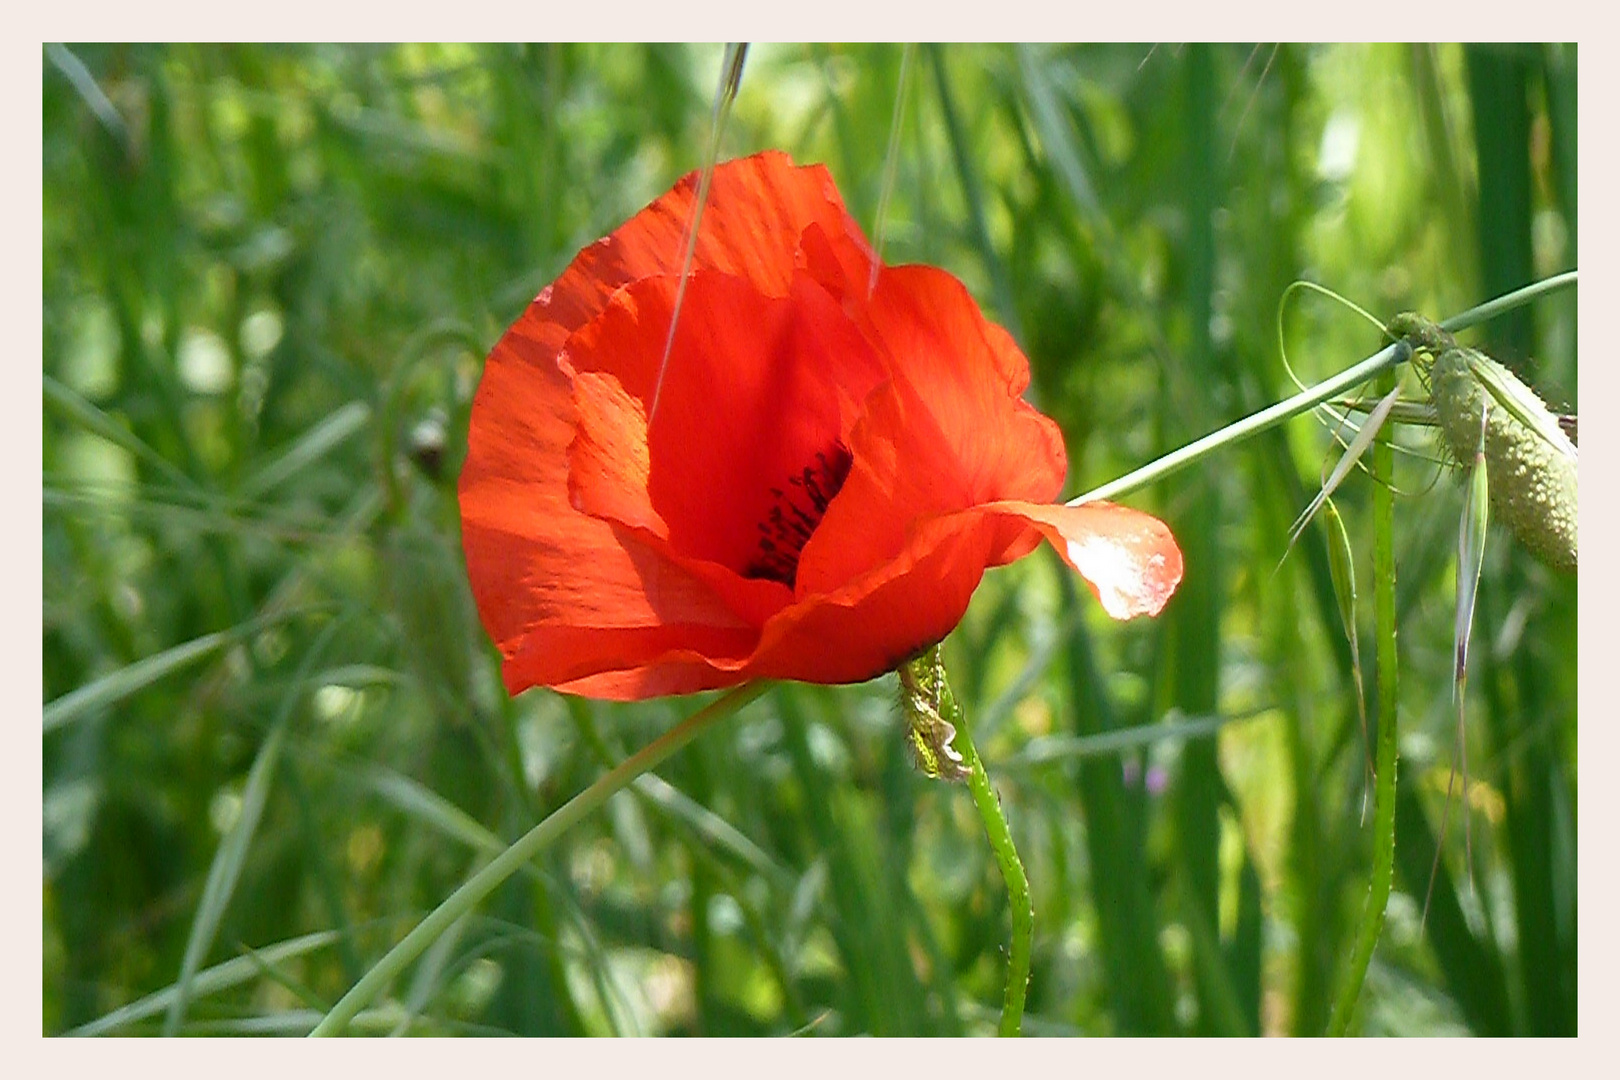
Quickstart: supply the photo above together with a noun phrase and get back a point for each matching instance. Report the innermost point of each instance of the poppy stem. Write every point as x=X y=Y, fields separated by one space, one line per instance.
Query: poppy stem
x=514 y=858
x=1385 y=359
x=1012 y=868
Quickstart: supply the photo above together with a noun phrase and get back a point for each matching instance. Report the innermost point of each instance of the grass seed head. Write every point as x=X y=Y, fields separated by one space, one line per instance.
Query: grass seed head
x=1532 y=482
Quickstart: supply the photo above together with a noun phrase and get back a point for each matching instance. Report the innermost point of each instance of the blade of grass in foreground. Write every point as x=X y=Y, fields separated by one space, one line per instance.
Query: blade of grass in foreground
x=224 y=976
x=504 y=865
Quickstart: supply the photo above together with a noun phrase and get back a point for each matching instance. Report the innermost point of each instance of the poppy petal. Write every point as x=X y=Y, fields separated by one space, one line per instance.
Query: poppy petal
x=1129 y=558
x=855 y=634
x=872 y=624
x=971 y=376
x=541 y=570
x=757 y=209
x=608 y=460
x=876 y=621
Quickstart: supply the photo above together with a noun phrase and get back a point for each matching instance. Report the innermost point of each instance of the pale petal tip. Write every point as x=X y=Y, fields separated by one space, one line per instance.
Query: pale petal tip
x=1128 y=583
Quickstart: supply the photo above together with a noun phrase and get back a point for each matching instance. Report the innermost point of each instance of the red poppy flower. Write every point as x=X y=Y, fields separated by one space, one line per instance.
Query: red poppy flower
x=830 y=467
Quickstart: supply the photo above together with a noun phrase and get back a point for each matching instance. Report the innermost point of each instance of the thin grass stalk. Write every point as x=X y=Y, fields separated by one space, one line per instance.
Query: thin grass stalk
x=504 y=865
x=1304 y=401
x=1383 y=869
x=114 y=687
x=1511 y=301
x=731 y=70
x=891 y=160
x=1012 y=868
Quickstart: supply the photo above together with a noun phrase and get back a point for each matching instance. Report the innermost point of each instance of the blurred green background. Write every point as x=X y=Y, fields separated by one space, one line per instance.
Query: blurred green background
x=274 y=732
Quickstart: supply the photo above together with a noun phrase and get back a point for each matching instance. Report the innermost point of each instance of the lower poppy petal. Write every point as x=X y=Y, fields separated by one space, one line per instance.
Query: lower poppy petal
x=856 y=633
x=677 y=672
x=880 y=620
x=551 y=655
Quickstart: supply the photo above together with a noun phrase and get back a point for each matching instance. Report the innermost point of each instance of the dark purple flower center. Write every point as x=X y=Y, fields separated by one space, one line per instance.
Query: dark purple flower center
x=799 y=508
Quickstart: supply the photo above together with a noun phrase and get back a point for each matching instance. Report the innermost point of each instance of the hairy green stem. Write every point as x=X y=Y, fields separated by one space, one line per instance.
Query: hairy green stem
x=508 y=862
x=1383 y=869
x=1012 y=868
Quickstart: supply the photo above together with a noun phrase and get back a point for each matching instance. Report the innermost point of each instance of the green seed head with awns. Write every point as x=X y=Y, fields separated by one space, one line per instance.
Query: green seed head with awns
x=1532 y=480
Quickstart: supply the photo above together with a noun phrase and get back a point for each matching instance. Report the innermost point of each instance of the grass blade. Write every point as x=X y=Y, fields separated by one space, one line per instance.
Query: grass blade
x=307 y=449
x=225 y=976
x=1050 y=748
x=1521 y=404
x=231 y=857
x=973 y=194
x=118 y=685
x=93 y=419
x=1347 y=461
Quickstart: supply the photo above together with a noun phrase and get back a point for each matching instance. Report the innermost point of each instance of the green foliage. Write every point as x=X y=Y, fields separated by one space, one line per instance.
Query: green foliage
x=274 y=733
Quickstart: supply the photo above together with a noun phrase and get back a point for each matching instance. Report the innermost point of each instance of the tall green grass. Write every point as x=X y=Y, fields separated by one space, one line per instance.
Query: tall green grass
x=274 y=734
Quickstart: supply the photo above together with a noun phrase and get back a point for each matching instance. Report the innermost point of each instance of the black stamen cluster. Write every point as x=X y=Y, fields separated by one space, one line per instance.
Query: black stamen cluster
x=799 y=509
